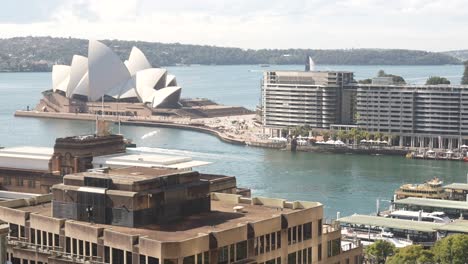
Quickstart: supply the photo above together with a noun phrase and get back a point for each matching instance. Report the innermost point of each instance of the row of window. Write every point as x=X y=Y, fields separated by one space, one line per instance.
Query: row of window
x=19 y=182
x=267 y=243
x=303 y=256
x=231 y=253
x=300 y=232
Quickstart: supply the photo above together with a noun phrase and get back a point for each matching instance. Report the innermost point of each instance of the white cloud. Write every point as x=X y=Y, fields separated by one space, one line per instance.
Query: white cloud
x=415 y=24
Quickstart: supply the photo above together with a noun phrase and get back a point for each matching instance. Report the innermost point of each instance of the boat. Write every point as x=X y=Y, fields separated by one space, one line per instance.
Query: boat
x=434 y=217
x=430 y=189
x=370 y=236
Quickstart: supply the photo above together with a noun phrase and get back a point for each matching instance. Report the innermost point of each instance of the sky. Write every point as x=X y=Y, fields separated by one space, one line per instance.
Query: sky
x=434 y=25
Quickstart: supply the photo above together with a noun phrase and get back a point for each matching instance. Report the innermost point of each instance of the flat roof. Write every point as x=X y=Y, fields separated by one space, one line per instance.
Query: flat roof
x=26 y=157
x=458 y=226
x=126 y=175
x=379 y=221
x=435 y=203
x=147 y=160
x=7 y=195
x=222 y=217
x=458 y=186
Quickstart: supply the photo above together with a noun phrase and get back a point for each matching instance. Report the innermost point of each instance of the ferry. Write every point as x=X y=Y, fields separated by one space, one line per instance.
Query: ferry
x=432 y=189
x=435 y=217
x=370 y=236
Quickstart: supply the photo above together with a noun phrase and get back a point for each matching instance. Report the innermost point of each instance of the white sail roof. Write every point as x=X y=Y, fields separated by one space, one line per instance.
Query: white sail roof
x=171 y=80
x=106 y=70
x=60 y=77
x=83 y=86
x=161 y=96
x=79 y=67
x=145 y=82
x=137 y=61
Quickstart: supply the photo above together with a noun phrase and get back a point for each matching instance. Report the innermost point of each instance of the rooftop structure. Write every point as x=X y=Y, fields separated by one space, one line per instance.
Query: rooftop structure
x=457 y=226
x=452 y=208
x=131 y=197
x=36 y=169
x=232 y=229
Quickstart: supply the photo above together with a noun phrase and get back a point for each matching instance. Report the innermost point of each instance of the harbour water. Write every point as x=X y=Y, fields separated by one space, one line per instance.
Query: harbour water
x=345 y=183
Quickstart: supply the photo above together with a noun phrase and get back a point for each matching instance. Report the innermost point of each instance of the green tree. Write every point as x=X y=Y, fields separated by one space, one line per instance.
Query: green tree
x=381 y=73
x=326 y=135
x=414 y=254
x=451 y=250
x=379 y=251
x=365 y=81
x=434 y=80
x=465 y=74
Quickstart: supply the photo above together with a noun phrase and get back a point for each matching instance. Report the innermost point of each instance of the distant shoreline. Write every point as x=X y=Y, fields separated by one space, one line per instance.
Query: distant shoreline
x=273 y=66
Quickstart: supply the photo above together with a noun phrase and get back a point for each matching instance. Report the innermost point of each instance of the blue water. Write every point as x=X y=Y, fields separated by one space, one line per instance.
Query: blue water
x=345 y=183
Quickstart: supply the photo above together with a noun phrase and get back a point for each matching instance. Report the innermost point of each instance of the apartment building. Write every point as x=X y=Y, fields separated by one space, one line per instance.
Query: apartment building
x=310 y=98
x=141 y=215
x=434 y=116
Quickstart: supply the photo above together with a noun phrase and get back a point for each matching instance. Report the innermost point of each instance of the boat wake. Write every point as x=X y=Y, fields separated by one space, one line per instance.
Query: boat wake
x=150 y=134
x=177 y=152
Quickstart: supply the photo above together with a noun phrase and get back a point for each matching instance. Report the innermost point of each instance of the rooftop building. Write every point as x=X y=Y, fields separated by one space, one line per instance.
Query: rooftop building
x=35 y=169
x=214 y=228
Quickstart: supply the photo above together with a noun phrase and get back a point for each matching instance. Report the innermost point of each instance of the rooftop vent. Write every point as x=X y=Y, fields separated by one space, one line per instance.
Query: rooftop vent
x=238 y=209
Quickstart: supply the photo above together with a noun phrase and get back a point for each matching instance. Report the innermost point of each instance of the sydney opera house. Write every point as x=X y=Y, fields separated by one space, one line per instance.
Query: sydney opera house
x=103 y=84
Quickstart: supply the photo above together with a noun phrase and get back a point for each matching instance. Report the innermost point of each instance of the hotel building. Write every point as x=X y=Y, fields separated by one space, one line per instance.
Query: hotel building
x=434 y=116
x=144 y=215
x=309 y=98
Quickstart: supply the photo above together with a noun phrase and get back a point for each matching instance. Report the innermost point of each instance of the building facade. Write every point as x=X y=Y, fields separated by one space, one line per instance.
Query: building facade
x=433 y=116
x=309 y=98
x=235 y=229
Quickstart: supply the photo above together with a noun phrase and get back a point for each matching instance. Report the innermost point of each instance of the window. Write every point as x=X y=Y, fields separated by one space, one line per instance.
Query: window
x=19 y=182
x=307 y=231
x=206 y=258
x=142 y=259
x=278 y=260
x=320 y=227
x=231 y=253
x=56 y=240
x=292 y=258
x=304 y=256
x=67 y=244
x=199 y=258
x=223 y=255
x=50 y=239
x=309 y=255
x=262 y=244
x=94 y=249
x=87 y=253
x=38 y=237
x=299 y=256
x=7 y=180
x=241 y=250
x=14 y=230
x=267 y=242
x=319 y=252
x=278 y=240
x=32 y=184
x=152 y=260
x=129 y=257
x=289 y=236
x=299 y=235
x=273 y=241
x=334 y=247
x=271 y=261
x=294 y=235
x=189 y=260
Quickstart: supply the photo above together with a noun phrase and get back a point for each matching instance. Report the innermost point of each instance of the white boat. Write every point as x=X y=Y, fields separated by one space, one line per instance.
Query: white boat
x=435 y=217
x=371 y=236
